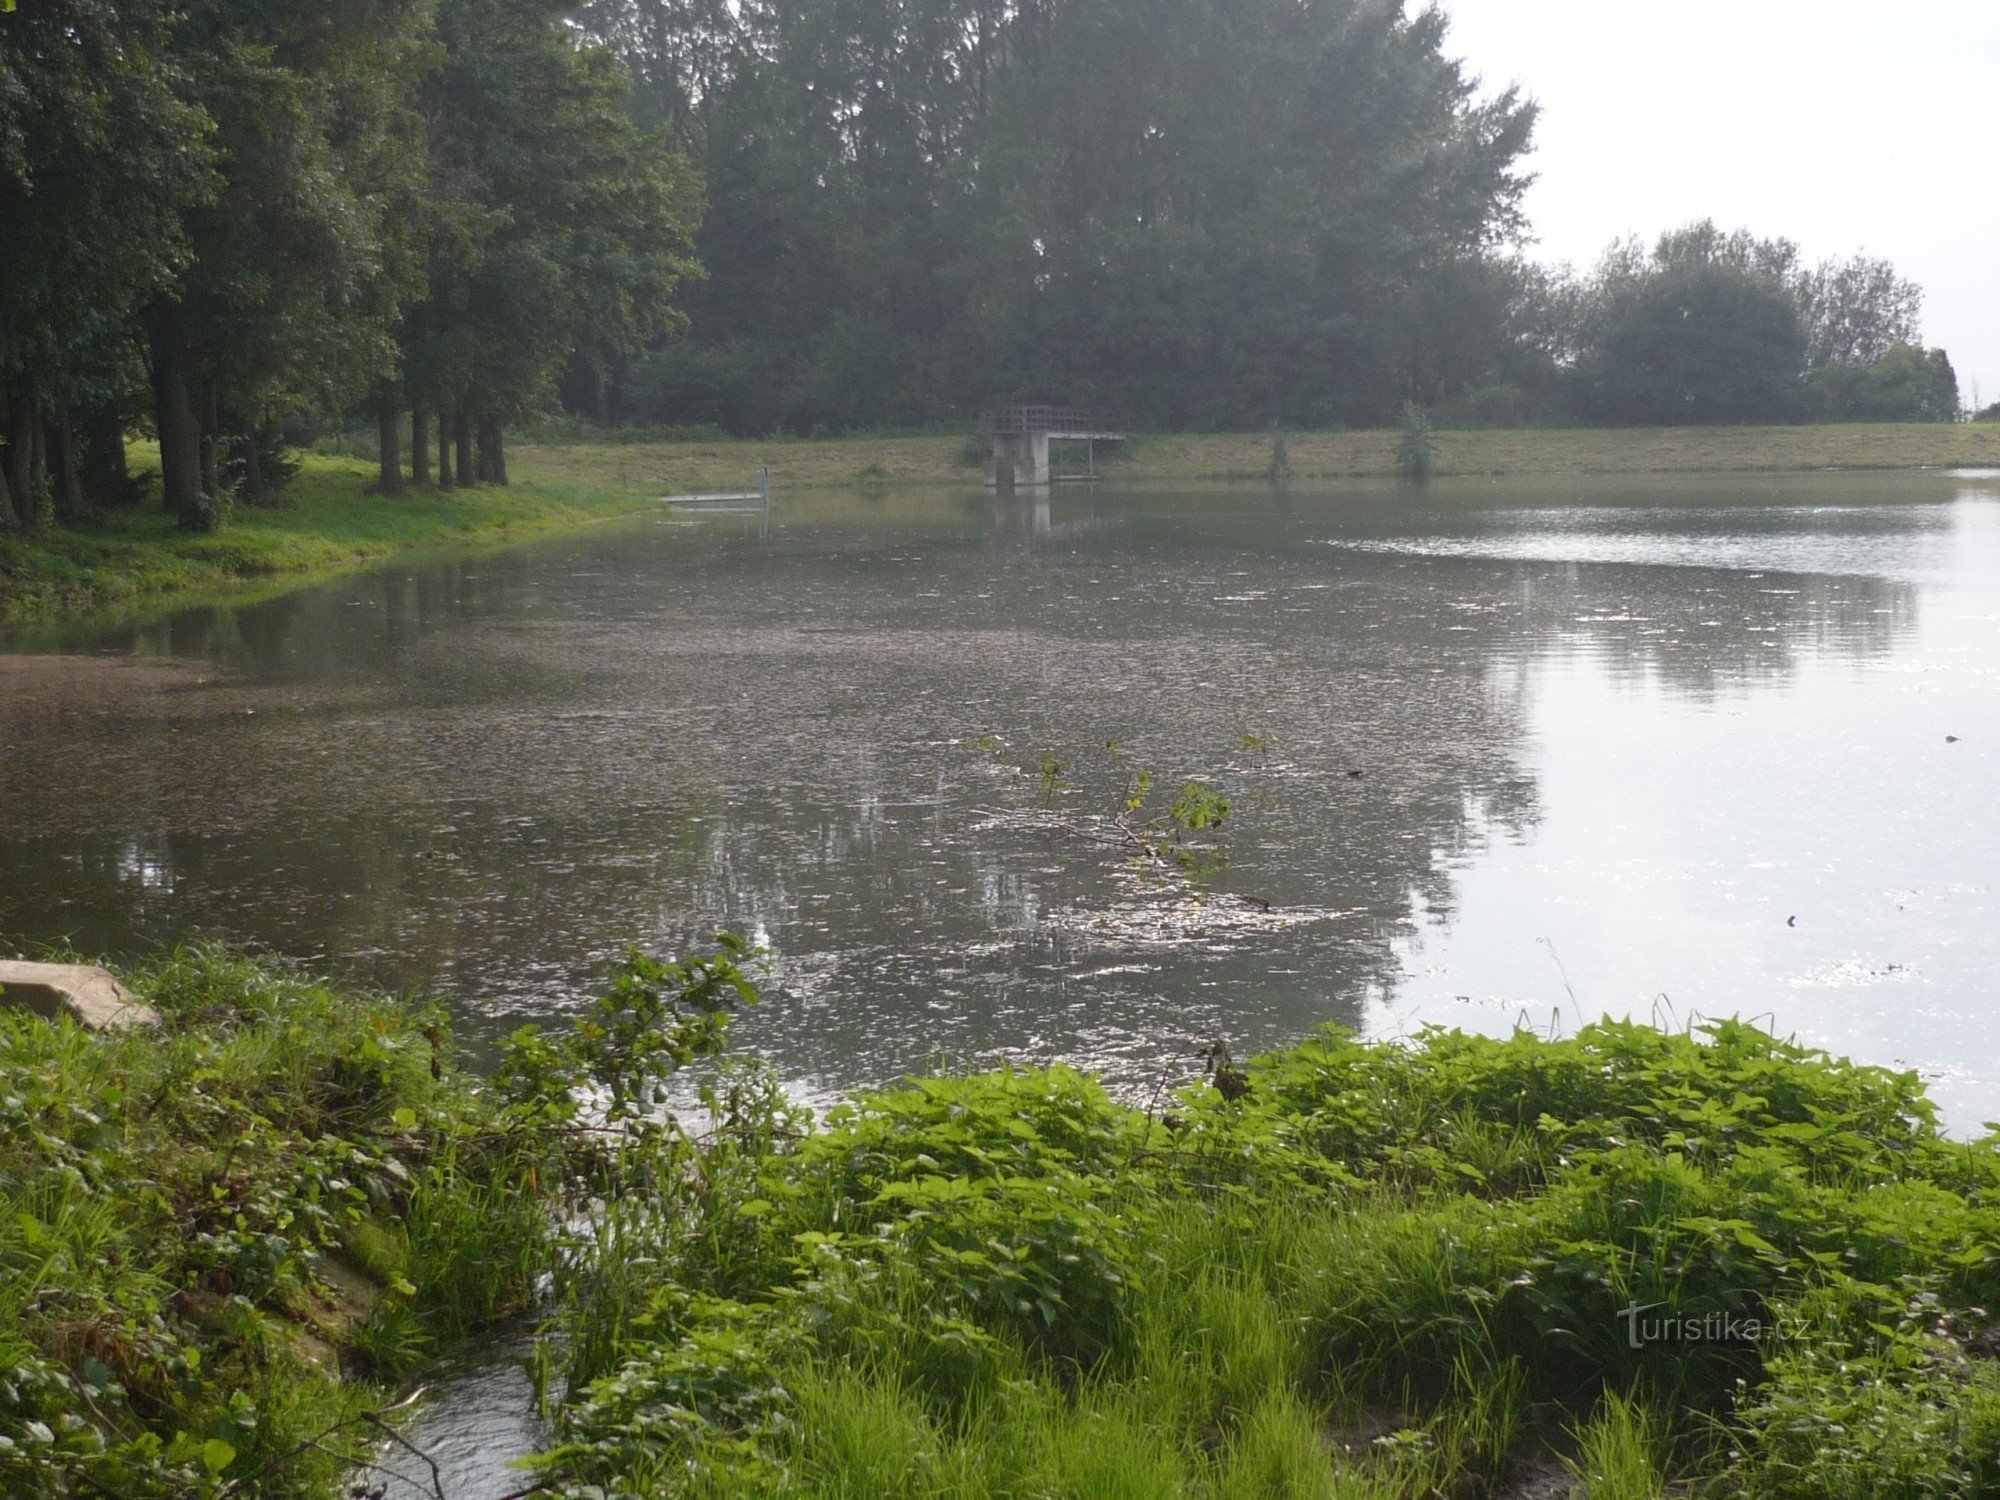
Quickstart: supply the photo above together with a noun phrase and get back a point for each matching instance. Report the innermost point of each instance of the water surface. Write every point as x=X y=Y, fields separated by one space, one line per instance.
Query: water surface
x=1516 y=753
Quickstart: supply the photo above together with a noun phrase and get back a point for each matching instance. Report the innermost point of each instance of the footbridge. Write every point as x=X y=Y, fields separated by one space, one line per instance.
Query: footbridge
x=1018 y=438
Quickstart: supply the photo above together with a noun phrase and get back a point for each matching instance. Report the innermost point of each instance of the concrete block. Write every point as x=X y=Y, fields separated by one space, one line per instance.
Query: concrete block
x=88 y=995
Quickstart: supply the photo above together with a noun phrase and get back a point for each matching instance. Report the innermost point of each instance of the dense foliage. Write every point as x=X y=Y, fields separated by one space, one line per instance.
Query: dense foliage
x=1708 y=1262
x=202 y=1227
x=1705 y=327
x=1193 y=214
x=216 y=215
x=1645 y=1260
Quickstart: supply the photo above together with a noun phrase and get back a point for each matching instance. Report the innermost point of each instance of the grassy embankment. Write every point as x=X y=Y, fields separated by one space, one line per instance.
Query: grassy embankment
x=329 y=521
x=647 y=467
x=1349 y=1272
x=221 y=1240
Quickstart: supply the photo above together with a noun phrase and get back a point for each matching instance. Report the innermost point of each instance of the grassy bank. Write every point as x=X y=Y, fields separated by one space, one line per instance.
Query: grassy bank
x=327 y=520
x=1629 y=1264
x=222 y=1242
x=642 y=467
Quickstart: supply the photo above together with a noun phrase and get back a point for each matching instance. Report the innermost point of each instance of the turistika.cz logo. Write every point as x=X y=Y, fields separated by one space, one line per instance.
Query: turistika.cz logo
x=1643 y=1326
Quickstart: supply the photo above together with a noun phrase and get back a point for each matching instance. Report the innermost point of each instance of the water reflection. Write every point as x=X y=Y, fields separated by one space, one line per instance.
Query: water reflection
x=485 y=776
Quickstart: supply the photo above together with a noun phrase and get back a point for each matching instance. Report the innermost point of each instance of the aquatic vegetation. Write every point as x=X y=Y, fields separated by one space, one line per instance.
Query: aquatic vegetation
x=1182 y=837
x=1416 y=444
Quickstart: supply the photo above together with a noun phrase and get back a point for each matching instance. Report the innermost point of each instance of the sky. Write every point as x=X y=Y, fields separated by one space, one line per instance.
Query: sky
x=1842 y=125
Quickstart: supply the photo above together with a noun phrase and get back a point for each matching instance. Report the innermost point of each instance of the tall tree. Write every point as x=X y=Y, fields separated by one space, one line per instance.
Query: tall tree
x=1713 y=326
x=1693 y=340
x=1857 y=310
x=555 y=219
x=294 y=272
x=99 y=156
x=1187 y=210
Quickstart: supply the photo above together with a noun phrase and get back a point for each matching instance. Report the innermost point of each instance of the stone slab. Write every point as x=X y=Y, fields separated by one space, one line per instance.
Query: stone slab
x=85 y=993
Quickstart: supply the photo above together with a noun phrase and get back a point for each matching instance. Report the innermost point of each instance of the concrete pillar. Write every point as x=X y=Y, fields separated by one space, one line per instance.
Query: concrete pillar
x=1017 y=460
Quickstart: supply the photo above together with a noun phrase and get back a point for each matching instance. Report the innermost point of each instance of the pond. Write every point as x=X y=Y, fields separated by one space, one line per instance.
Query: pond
x=1497 y=753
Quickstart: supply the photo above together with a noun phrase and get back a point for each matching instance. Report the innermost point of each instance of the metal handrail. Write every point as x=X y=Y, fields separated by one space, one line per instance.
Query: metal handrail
x=1050 y=419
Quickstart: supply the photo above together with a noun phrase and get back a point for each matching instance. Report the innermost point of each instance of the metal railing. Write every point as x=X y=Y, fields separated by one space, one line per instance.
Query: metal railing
x=1054 y=420
x=755 y=502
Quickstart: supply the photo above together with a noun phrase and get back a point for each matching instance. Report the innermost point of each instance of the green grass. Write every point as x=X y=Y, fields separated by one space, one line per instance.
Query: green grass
x=653 y=467
x=1674 y=450
x=1368 y=1272
x=223 y=1241
x=327 y=520
x=1384 y=1271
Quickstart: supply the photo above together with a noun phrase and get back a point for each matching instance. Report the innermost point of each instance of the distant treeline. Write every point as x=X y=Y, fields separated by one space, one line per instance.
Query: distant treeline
x=1710 y=327
x=218 y=215
x=222 y=221
x=1194 y=215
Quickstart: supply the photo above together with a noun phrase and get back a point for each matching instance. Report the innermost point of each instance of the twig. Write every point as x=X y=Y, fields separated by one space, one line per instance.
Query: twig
x=389 y=1431
x=239 y=1484
x=1550 y=944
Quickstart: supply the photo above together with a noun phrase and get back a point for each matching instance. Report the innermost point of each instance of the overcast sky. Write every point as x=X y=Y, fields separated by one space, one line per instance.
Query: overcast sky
x=1842 y=125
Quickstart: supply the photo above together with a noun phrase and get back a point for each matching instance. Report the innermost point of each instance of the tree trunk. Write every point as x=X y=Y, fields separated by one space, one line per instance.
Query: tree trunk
x=461 y=432
x=420 y=447
x=69 y=480
x=10 y=516
x=179 y=427
x=32 y=514
x=389 y=424
x=21 y=464
x=444 y=450
x=104 y=476
x=253 y=470
x=211 y=443
x=492 y=453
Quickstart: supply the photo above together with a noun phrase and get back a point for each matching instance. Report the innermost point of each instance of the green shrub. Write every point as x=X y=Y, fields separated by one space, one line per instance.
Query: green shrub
x=198 y=1223
x=1013 y=1286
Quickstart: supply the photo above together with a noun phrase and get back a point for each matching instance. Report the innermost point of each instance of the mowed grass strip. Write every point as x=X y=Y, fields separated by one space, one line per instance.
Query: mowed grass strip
x=652 y=468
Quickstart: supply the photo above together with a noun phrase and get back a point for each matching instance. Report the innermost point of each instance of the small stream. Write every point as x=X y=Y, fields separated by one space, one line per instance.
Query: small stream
x=477 y=1414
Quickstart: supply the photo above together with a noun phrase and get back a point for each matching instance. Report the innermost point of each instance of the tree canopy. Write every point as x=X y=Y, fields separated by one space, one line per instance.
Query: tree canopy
x=1194 y=213
x=216 y=215
x=1707 y=326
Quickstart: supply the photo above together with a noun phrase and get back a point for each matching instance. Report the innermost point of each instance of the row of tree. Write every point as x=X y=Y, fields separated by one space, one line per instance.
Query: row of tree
x=1193 y=213
x=214 y=213
x=1706 y=327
